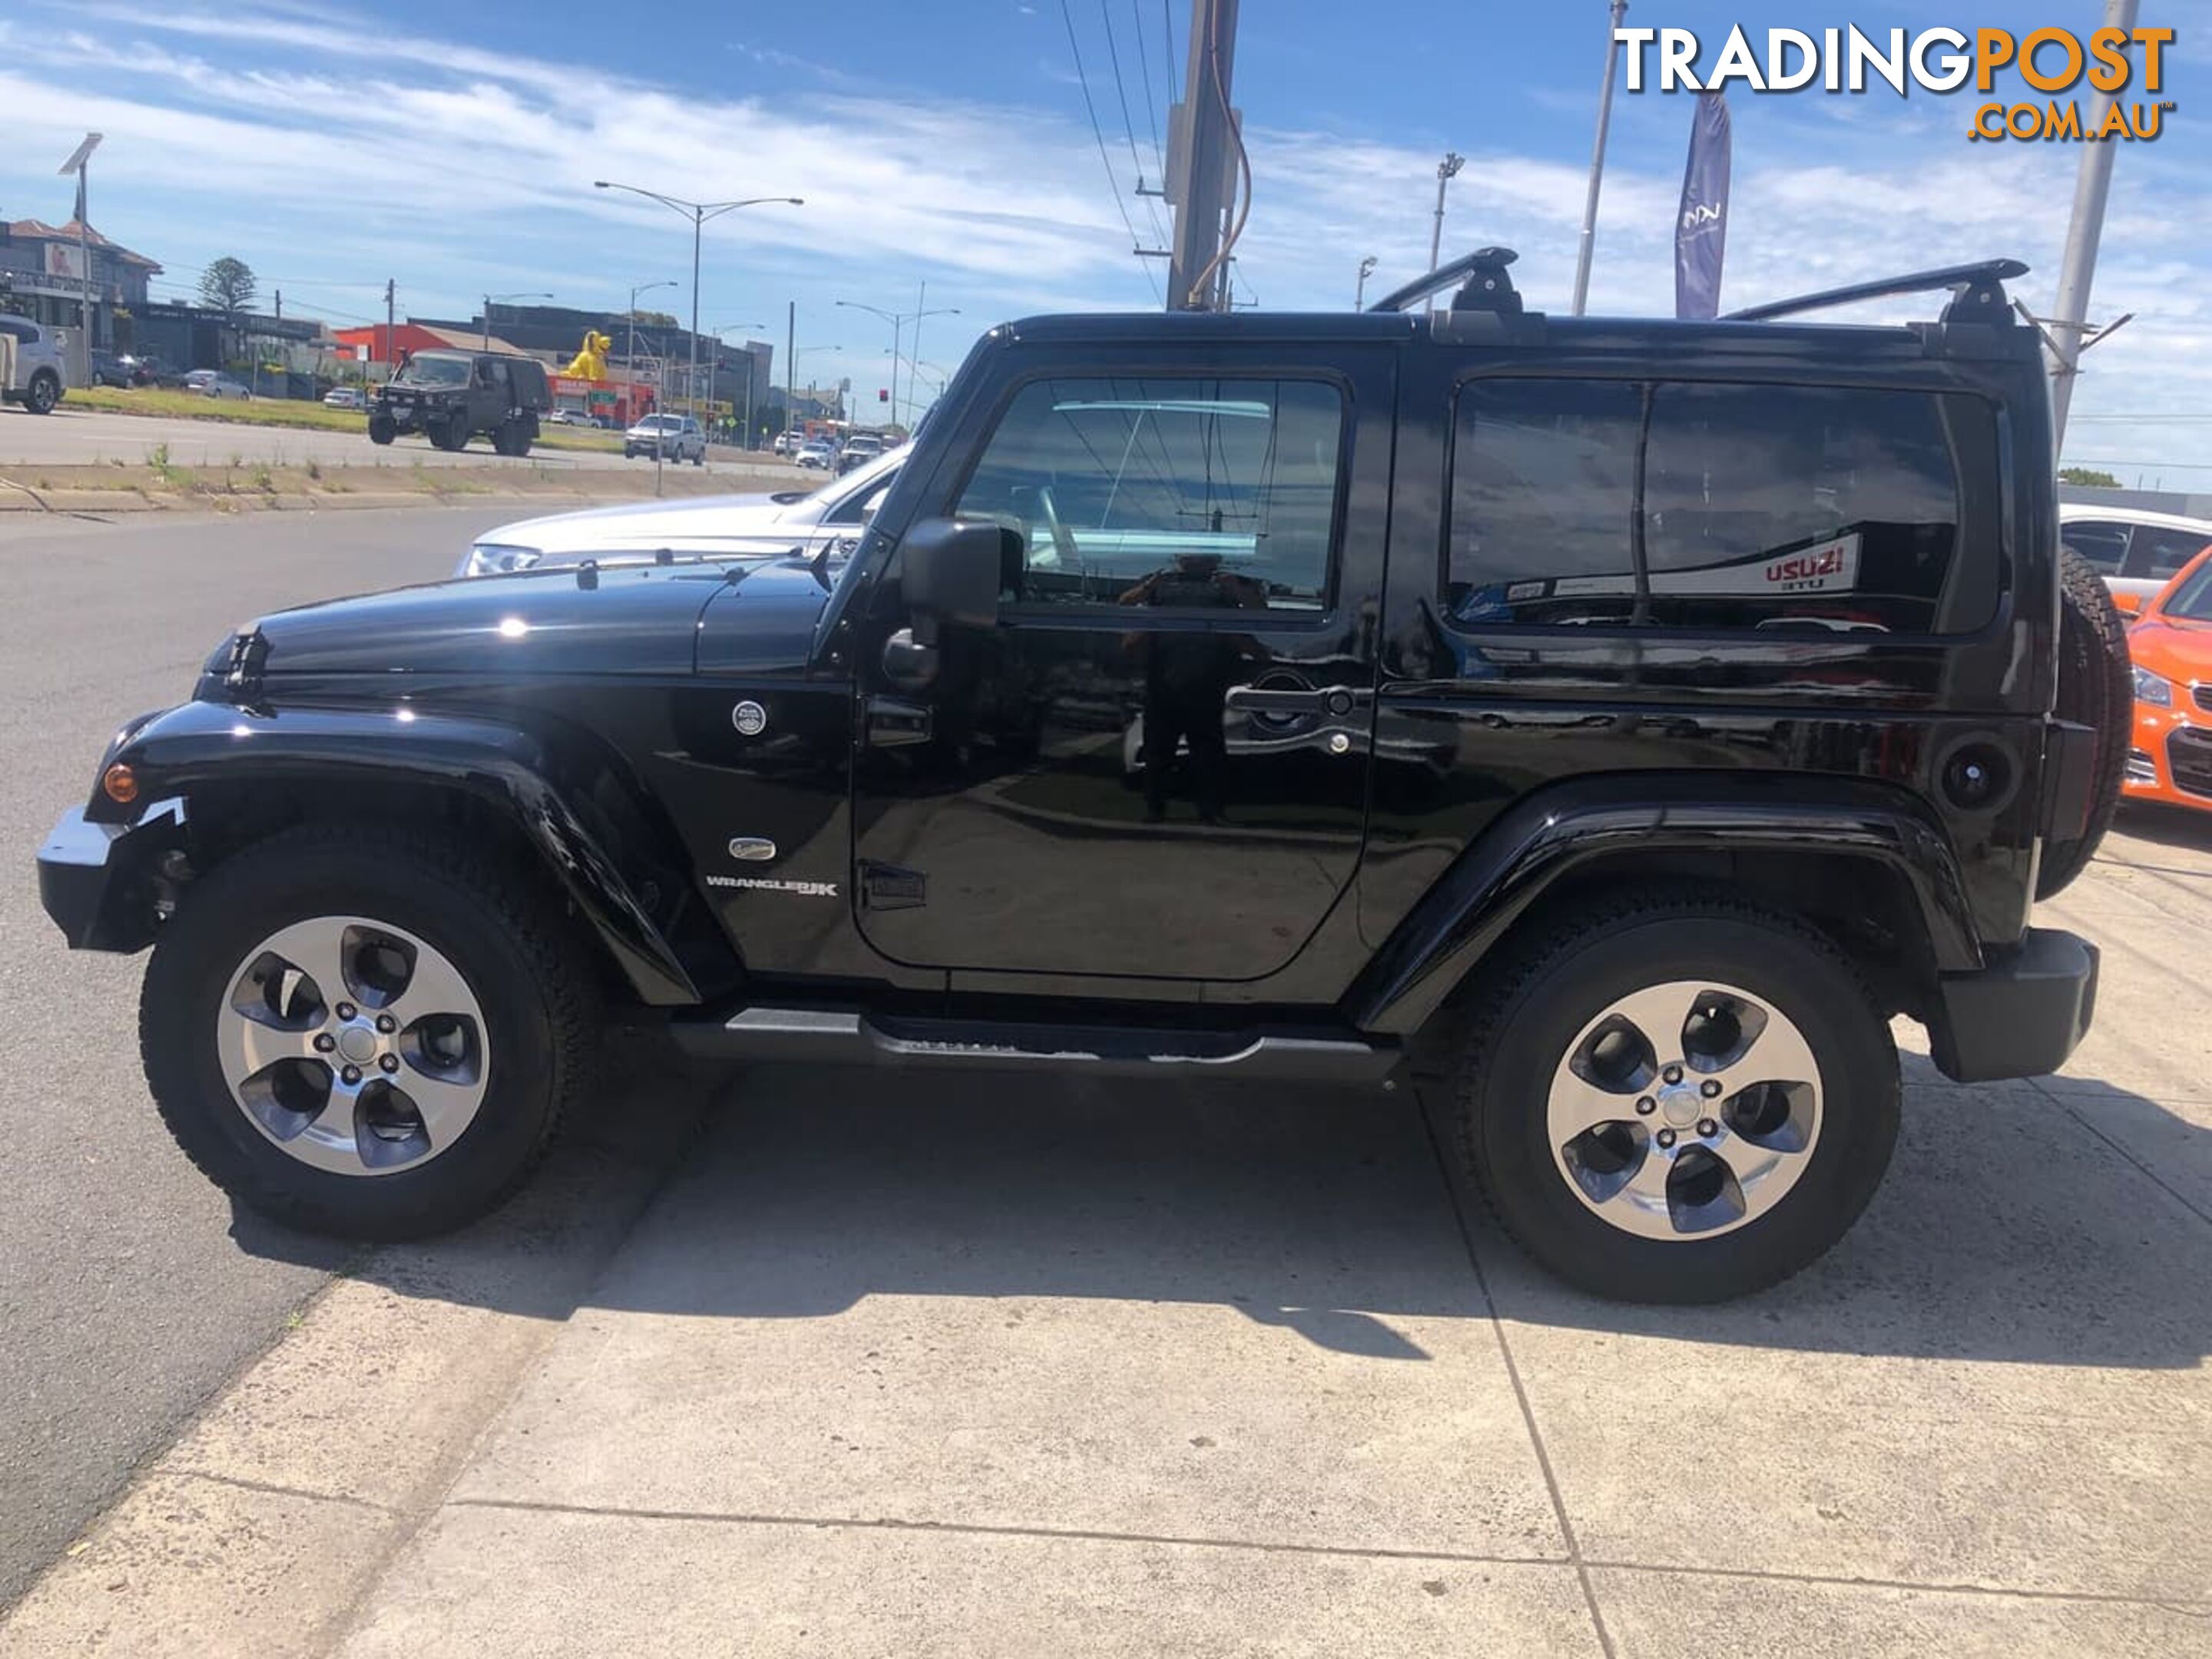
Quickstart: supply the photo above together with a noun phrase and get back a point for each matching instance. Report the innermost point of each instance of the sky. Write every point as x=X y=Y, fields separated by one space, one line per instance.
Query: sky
x=989 y=149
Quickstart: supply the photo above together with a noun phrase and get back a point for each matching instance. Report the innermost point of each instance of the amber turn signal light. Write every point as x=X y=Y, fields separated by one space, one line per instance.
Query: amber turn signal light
x=120 y=784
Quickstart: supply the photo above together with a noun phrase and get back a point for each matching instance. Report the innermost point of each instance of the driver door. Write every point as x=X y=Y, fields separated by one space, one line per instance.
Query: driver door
x=1154 y=764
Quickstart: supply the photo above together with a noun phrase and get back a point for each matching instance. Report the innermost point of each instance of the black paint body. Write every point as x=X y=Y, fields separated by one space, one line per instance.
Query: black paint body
x=982 y=845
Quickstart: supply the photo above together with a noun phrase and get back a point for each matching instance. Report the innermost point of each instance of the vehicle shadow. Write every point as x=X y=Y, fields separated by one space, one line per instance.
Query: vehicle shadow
x=2183 y=828
x=2012 y=1225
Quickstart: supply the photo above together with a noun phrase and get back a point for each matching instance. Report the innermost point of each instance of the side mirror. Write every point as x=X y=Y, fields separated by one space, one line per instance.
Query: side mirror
x=950 y=571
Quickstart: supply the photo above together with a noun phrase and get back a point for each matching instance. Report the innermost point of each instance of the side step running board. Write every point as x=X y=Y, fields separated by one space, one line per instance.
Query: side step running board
x=847 y=1036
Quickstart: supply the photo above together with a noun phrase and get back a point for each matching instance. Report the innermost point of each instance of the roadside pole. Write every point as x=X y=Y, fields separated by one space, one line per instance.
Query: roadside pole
x=790 y=366
x=1597 y=159
x=2067 y=330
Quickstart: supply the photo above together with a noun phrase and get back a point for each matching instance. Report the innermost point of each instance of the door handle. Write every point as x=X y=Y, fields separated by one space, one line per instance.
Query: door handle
x=1336 y=700
x=891 y=722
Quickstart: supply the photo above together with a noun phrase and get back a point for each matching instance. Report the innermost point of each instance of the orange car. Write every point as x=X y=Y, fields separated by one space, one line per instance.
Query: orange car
x=2170 y=642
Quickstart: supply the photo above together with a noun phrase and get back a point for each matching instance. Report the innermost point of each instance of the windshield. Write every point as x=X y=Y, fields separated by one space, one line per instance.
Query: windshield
x=435 y=371
x=2192 y=599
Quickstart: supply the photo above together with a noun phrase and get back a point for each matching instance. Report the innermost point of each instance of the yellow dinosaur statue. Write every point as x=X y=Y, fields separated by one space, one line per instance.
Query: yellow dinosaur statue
x=591 y=363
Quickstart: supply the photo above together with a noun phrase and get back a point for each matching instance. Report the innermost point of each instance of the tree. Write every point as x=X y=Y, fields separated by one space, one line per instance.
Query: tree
x=651 y=320
x=228 y=286
x=2088 y=475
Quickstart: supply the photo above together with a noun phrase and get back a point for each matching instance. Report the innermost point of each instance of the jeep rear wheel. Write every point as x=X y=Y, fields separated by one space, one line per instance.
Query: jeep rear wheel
x=366 y=1033
x=44 y=393
x=1678 y=1097
x=382 y=429
x=2096 y=689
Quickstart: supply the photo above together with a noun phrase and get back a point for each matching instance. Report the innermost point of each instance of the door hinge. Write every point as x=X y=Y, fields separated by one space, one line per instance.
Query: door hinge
x=887 y=887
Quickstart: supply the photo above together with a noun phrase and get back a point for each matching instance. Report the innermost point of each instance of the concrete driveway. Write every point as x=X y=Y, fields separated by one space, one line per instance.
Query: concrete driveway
x=1021 y=1366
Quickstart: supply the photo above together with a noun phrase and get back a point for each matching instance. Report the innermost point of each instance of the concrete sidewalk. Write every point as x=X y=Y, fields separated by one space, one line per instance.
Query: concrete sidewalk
x=1029 y=1366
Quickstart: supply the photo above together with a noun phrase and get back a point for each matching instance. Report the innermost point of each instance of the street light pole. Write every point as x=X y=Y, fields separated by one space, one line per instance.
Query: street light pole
x=77 y=163
x=1447 y=170
x=1360 y=287
x=488 y=297
x=629 y=356
x=898 y=320
x=698 y=213
x=1597 y=162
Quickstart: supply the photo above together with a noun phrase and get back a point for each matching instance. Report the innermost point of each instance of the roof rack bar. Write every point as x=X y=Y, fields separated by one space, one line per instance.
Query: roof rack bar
x=1399 y=299
x=1959 y=279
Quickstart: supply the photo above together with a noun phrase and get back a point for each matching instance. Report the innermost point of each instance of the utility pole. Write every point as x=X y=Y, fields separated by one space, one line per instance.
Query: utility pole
x=1201 y=137
x=1597 y=159
x=2067 y=330
x=790 y=365
x=1360 y=287
x=390 y=288
x=78 y=162
x=1447 y=170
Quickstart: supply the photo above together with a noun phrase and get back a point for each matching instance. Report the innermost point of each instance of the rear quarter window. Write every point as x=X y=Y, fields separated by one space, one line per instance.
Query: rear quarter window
x=1707 y=506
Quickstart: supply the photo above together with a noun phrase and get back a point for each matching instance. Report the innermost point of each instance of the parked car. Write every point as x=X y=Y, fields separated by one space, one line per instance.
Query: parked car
x=148 y=370
x=2136 y=552
x=830 y=517
x=395 y=853
x=109 y=369
x=344 y=397
x=2170 y=758
x=211 y=383
x=451 y=396
x=570 y=417
x=672 y=437
x=31 y=372
x=788 y=443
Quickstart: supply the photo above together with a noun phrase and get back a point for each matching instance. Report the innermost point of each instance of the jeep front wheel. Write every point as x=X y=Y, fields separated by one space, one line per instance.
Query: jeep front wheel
x=366 y=1033
x=44 y=393
x=1678 y=1098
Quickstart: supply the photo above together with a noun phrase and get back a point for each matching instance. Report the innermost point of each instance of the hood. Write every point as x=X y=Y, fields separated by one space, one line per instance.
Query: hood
x=635 y=620
x=2172 y=648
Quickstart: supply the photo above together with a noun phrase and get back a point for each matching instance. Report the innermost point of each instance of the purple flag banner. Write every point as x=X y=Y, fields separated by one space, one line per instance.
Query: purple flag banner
x=1701 y=226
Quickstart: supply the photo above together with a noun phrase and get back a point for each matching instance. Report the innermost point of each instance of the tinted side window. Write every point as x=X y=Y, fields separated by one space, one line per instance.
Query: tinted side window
x=2158 y=553
x=1542 y=501
x=1798 y=506
x=1761 y=506
x=1194 y=492
x=2104 y=545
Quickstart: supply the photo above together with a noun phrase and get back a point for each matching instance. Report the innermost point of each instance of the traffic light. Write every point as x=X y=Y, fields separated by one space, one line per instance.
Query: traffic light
x=883 y=394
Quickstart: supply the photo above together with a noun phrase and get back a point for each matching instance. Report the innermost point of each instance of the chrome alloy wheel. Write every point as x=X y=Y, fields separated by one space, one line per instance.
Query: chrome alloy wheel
x=354 y=1045
x=1685 y=1110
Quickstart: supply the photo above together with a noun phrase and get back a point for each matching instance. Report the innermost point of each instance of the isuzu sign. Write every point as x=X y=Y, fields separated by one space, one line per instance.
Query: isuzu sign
x=2054 y=62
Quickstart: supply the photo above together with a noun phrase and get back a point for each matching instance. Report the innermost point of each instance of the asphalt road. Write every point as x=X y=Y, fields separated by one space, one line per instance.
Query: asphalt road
x=88 y=437
x=124 y=1298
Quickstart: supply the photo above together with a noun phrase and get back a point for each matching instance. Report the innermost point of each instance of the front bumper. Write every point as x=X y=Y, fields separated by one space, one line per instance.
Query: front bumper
x=97 y=880
x=2022 y=1015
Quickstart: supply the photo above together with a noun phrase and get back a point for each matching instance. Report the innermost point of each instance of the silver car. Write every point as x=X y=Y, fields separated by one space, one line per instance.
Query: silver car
x=673 y=437
x=706 y=526
x=30 y=366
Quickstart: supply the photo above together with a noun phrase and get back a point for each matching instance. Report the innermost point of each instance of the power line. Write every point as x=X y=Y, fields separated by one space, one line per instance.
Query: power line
x=1128 y=129
x=1151 y=109
x=1112 y=187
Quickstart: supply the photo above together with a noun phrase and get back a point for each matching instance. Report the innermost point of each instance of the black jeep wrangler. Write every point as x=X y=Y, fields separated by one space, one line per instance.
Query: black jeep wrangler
x=1638 y=714
x=451 y=396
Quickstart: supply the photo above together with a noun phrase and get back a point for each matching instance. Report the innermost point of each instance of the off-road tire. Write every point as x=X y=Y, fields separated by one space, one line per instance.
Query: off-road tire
x=382 y=429
x=2096 y=689
x=1531 y=1004
x=44 y=393
x=526 y=968
x=513 y=439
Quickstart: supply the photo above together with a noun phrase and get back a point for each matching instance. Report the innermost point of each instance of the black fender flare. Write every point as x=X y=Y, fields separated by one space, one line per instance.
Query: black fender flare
x=536 y=781
x=1553 y=833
